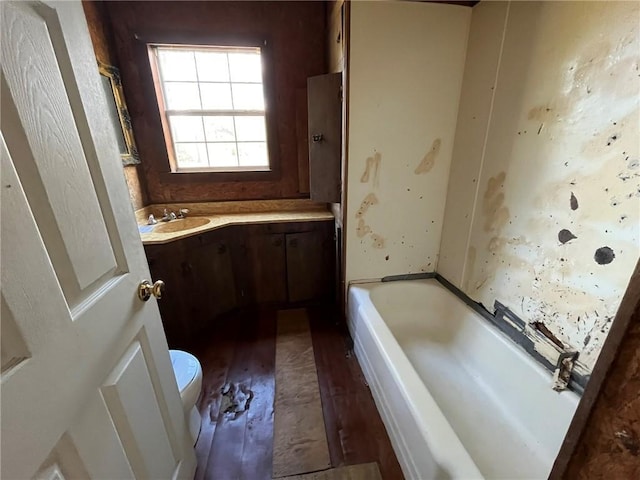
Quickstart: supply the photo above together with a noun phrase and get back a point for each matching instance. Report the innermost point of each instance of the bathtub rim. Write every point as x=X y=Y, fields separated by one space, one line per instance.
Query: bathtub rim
x=437 y=432
x=505 y=320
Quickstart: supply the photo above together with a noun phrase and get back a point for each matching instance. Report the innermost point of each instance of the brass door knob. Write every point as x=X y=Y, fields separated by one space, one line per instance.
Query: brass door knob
x=145 y=290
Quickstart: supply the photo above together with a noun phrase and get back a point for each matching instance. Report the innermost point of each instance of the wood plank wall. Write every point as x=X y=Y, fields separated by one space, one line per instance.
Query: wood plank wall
x=297 y=37
x=102 y=39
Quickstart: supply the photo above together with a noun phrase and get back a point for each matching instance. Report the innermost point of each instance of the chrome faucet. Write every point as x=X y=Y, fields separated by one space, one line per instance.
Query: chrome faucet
x=167 y=216
x=182 y=213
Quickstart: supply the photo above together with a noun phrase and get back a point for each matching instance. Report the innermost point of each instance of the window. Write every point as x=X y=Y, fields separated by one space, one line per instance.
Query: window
x=212 y=99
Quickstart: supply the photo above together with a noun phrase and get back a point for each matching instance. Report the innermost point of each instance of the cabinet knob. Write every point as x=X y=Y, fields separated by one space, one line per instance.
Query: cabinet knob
x=293 y=242
x=145 y=290
x=317 y=138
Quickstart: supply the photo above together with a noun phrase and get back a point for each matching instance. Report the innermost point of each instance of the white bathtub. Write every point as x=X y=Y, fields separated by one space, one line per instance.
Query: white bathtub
x=459 y=399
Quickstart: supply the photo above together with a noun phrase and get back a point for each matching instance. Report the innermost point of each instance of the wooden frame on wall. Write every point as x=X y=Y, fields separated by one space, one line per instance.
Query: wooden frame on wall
x=119 y=114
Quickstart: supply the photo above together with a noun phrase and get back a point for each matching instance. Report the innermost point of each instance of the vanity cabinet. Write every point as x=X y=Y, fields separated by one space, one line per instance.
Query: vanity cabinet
x=288 y=263
x=265 y=273
x=241 y=267
x=199 y=282
x=310 y=260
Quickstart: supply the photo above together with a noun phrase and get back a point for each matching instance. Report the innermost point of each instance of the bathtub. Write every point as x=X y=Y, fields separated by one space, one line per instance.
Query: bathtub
x=458 y=398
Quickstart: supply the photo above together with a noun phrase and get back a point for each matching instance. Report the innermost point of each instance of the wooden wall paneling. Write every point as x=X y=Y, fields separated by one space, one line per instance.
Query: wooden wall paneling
x=135 y=184
x=296 y=34
x=104 y=48
x=324 y=96
x=100 y=31
x=335 y=43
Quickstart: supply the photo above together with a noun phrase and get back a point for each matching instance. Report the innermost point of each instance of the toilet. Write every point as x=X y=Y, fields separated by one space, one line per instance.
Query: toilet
x=188 y=374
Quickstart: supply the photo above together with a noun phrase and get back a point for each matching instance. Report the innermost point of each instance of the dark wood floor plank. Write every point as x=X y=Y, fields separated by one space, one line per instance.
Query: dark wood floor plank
x=227 y=447
x=355 y=431
x=258 y=442
x=241 y=350
x=336 y=362
x=215 y=352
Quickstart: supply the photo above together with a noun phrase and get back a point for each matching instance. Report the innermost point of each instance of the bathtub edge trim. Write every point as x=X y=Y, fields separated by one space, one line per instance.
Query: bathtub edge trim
x=503 y=319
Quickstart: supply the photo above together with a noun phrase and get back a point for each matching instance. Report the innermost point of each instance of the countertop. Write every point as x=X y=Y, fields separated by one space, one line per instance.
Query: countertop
x=222 y=214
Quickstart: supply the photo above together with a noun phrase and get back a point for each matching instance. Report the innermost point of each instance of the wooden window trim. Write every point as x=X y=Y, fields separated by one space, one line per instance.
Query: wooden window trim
x=169 y=172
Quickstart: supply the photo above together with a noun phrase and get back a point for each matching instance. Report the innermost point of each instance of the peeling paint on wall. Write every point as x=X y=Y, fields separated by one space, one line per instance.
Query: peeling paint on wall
x=556 y=223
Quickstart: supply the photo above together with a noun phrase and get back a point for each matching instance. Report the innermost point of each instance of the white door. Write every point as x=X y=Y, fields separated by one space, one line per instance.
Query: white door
x=87 y=385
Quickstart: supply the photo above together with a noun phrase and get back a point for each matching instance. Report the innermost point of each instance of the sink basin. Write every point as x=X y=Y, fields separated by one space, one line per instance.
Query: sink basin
x=180 y=224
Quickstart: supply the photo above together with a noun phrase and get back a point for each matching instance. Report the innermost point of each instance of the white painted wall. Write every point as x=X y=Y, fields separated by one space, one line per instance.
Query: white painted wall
x=550 y=108
x=405 y=75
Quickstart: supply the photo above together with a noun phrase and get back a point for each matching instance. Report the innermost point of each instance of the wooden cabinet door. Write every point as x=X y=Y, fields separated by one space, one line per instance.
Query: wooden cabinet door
x=310 y=266
x=267 y=267
x=167 y=262
x=324 y=100
x=212 y=290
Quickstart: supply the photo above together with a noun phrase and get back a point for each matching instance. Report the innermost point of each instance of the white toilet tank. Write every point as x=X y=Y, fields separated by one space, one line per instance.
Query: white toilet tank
x=188 y=373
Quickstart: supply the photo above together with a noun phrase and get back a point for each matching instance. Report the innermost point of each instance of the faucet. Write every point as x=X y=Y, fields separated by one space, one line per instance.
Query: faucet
x=182 y=213
x=167 y=216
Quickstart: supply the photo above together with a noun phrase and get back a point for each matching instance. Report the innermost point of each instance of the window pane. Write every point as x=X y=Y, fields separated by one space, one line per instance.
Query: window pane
x=216 y=96
x=248 y=97
x=251 y=129
x=212 y=67
x=177 y=65
x=191 y=155
x=222 y=154
x=245 y=67
x=186 y=128
x=182 y=96
x=253 y=154
x=219 y=129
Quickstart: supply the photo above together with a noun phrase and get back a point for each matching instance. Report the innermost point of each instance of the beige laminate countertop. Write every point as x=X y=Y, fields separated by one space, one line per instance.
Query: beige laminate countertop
x=223 y=214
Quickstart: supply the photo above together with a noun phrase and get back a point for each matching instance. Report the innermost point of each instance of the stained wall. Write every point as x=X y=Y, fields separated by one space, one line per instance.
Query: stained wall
x=406 y=61
x=543 y=206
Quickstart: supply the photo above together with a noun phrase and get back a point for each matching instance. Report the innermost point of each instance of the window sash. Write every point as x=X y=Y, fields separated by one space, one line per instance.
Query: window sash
x=228 y=112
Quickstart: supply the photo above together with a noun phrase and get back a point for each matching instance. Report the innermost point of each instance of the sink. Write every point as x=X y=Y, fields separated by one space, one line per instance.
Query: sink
x=180 y=224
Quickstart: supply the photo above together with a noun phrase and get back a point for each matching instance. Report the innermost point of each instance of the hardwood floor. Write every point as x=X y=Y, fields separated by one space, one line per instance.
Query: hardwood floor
x=238 y=355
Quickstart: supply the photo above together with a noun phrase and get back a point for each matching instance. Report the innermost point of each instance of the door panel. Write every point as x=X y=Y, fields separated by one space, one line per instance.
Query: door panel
x=101 y=456
x=325 y=136
x=13 y=349
x=126 y=392
x=72 y=260
x=63 y=458
x=54 y=149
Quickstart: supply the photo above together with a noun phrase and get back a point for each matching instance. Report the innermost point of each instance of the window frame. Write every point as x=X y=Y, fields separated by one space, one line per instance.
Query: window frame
x=149 y=40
